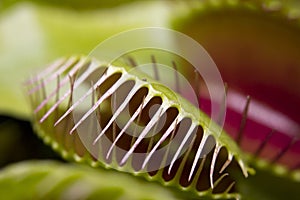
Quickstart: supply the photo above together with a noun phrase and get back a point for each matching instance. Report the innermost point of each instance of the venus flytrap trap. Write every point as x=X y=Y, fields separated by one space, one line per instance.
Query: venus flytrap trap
x=101 y=137
x=115 y=116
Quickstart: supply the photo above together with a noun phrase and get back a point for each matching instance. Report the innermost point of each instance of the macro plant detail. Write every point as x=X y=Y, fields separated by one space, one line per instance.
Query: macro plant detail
x=119 y=118
x=127 y=148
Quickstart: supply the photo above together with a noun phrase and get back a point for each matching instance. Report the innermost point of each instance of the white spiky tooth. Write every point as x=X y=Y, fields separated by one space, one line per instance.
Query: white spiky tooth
x=213 y=162
x=161 y=110
x=132 y=92
x=80 y=100
x=198 y=154
x=107 y=94
x=227 y=162
x=132 y=118
x=172 y=127
x=60 y=70
x=46 y=72
x=243 y=167
x=187 y=136
x=63 y=82
x=78 y=81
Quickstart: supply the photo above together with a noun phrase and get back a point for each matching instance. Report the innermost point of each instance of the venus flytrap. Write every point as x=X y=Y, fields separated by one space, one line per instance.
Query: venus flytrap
x=273 y=23
x=179 y=141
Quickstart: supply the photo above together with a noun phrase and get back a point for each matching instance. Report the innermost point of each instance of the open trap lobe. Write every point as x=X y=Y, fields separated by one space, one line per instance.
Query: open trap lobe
x=125 y=122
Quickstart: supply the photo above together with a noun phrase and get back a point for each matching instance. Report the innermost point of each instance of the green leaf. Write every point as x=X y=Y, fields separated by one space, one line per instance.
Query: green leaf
x=54 y=180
